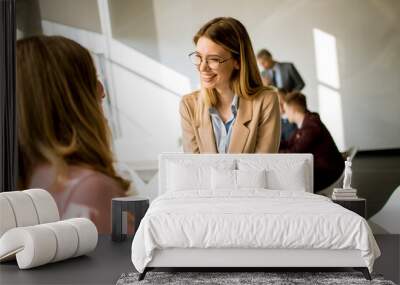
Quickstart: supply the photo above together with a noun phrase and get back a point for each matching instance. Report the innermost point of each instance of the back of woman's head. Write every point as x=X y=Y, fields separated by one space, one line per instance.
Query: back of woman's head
x=60 y=120
x=232 y=35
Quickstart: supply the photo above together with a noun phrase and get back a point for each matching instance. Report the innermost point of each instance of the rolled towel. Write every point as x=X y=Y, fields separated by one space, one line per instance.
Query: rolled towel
x=46 y=207
x=23 y=208
x=7 y=218
x=37 y=245
x=26 y=208
x=33 y=246
x=87 y=235
x=67 y=239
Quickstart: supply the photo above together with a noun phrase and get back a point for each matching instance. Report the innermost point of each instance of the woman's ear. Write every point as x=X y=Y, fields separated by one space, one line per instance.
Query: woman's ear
x=100 y=90
x=236 y=64
x=285 y=107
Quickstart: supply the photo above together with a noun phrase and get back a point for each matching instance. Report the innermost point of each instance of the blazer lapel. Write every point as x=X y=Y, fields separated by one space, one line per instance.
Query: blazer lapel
x=240 y=132
x=206 y=133
x=284 y=74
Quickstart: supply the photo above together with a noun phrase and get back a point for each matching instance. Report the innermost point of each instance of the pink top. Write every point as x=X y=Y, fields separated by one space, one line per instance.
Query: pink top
x=84 y=193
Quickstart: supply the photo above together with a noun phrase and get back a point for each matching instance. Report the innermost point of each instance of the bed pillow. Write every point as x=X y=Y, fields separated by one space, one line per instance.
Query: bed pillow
x=193 y=175
x=280 y=174
x=237 y=179
x=223 y=179
x=251 y=178
x=291 y=180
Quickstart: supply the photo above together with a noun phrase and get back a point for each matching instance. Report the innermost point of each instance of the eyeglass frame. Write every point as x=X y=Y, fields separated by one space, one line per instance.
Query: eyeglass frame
x=206 y=60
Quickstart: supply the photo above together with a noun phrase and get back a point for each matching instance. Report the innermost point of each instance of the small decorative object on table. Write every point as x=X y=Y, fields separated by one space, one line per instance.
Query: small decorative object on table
x=347 y=196
x=121 y=208
x=347 y=192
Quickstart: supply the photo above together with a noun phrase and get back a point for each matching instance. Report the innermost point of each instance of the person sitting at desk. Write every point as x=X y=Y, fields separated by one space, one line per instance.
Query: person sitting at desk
x=312 y=137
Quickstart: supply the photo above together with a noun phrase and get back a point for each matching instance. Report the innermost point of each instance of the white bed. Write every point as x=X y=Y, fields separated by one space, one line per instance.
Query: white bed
x=247 y=210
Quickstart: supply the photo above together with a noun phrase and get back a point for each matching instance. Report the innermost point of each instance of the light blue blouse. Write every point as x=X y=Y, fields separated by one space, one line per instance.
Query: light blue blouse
x=223 y=131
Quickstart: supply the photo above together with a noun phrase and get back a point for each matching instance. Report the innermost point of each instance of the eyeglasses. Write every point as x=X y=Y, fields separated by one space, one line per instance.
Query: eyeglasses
x=212 y=62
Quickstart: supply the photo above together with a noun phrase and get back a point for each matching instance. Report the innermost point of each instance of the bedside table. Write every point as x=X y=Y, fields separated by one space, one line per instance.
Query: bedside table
x=358 y=206
x=121 y=208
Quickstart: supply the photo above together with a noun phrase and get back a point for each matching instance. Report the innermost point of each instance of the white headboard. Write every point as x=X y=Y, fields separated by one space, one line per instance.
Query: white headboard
x=291 y=159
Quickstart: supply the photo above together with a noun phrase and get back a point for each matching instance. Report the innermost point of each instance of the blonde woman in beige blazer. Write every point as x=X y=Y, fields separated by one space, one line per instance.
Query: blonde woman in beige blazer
x=232 y=112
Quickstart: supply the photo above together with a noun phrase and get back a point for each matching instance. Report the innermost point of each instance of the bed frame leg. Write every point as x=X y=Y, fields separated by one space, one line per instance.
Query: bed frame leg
x=143 y=274
x=364 y=271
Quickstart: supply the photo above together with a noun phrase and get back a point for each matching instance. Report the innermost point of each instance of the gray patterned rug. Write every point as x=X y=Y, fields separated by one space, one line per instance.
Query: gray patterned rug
x=230 y=278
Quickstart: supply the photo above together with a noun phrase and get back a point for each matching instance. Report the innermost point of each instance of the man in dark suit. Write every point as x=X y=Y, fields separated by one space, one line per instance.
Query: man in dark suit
x=282 y=75
x=313 y=137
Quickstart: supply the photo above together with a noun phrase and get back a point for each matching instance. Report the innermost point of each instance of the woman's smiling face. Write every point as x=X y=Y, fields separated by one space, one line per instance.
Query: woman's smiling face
x=219 y=77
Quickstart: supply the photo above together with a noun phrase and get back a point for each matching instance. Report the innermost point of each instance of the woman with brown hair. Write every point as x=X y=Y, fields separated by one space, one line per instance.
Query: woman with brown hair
x=233 y=112
x=63 y=138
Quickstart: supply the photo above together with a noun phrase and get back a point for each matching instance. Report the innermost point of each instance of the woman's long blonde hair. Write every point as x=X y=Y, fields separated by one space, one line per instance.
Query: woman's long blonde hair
x=60 y=120
x=232 y=35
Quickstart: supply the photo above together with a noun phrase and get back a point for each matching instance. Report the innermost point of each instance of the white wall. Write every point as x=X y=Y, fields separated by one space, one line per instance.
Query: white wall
x=132 y=22
x=83 y=14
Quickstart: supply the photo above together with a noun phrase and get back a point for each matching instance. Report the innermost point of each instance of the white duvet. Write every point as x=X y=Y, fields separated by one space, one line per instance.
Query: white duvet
x=250 y=219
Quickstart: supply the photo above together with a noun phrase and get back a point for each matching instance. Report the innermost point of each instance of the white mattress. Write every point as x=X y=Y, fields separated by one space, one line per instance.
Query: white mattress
x=253 y=218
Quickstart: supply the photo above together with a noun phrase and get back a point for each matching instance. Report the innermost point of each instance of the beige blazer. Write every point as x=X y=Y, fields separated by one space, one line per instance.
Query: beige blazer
x=255 y=130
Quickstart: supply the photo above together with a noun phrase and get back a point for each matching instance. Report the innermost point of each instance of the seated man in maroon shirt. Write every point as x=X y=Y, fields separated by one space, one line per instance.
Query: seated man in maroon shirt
x=312 y=137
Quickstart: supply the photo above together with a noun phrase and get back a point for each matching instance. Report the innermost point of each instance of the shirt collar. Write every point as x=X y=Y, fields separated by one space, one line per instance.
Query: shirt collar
x=234 y=107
